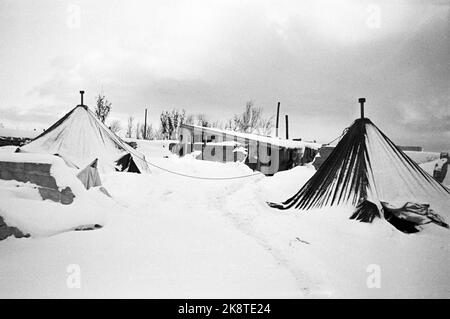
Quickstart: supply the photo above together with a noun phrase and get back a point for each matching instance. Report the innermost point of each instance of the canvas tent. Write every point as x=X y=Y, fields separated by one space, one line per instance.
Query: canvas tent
x=367 y=171
x=80 y=138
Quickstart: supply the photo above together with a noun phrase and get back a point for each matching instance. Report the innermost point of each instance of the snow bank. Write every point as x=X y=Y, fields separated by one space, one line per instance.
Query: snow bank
x=21 y=205
x=8 y=149
x=153 y=148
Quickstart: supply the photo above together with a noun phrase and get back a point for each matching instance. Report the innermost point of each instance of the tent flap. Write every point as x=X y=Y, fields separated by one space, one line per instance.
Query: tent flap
x=89 y=176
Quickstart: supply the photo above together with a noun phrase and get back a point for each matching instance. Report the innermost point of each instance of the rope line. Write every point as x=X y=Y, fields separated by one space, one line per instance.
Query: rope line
x=215 y=178
x=337 y=138
x=131 y=150
x=193 y=176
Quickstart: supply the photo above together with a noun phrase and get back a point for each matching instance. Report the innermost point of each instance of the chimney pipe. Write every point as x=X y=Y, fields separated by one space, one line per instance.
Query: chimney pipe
x=278 y=118
x=287 y=127
x=82 y=92
x=361 y=102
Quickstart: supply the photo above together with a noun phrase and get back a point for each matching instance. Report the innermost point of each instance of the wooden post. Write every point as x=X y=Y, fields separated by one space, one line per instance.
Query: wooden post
x=192 y=139
x=361 y=102
x=235 y=153
x=145 y=125
x=287 y=127
x=278 y=118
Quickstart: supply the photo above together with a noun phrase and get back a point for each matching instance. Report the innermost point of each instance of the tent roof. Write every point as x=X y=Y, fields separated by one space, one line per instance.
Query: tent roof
x=367 y=166
x=81 y=137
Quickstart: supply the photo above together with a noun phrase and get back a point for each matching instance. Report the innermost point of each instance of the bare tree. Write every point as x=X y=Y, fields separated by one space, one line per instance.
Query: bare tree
x=231 y=125
x=171 y=121
x=130 y=126
x=158 y=134
x=138 y=130
x=217 y=124
x=115 y=126
x=150 y=134
x=102 y=108
x=164 y=118
x=190 y=119
x=247 y=122
x=202 y=120
x=265 y=126
x=251 y=121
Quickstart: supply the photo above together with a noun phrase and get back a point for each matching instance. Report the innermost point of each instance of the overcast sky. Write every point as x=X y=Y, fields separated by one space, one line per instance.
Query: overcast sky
x=315 y=57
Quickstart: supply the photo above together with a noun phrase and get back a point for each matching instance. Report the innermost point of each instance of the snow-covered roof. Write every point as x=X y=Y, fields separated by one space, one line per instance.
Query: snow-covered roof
x=225 y=143
x=260 y=138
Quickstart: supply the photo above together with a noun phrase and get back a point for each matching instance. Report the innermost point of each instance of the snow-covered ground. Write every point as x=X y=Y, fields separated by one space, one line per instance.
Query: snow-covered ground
x=169 y=236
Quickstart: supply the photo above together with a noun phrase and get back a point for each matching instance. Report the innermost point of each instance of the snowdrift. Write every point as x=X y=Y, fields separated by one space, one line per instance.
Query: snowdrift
x=22 y=206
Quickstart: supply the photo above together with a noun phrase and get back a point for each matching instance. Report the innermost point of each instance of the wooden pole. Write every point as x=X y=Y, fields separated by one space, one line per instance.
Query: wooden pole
x=145 y=125
x=361 y=102
x=287 y=127
x=278 y=118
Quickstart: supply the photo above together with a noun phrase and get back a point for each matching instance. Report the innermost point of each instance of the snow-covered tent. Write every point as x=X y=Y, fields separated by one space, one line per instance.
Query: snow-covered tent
x=369 y=172
x=80 y=138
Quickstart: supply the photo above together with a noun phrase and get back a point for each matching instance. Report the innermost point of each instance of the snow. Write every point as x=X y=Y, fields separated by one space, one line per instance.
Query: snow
x=423 y=157
x=167 y=236
x=152 y=148
x=330 y=254
x=21 y=205
x=19 y=133
x=8 y=149
x=430 y=166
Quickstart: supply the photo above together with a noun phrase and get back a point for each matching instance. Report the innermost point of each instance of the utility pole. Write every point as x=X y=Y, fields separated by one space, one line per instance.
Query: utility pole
x=287 y=127
x=145 y=125
x=278 y=119
x=361 y=102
